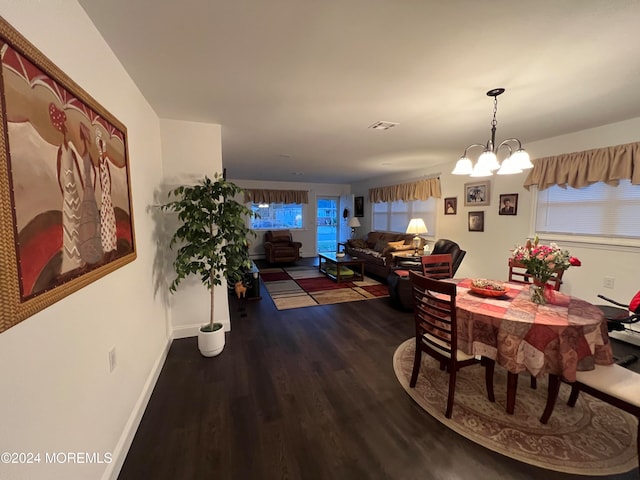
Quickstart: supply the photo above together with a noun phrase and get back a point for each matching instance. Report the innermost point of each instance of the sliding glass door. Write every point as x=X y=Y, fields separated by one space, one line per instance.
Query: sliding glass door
x=327 y=224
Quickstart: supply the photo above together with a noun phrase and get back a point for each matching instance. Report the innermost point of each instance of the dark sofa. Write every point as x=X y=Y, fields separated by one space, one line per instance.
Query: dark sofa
x=377 y=250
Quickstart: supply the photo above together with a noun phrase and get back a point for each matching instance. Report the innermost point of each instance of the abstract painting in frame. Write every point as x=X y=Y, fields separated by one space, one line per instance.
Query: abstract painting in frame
x=66 y=215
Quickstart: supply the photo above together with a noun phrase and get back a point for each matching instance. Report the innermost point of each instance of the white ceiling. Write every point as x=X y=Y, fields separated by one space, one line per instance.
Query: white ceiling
x=295 y=84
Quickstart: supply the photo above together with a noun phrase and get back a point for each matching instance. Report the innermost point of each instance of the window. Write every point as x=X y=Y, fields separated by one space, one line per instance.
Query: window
x=598 y=210
x=395 y=216
x=276 y=215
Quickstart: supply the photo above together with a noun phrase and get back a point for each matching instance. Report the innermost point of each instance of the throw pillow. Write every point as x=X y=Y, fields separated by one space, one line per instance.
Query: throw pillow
x=393 y=246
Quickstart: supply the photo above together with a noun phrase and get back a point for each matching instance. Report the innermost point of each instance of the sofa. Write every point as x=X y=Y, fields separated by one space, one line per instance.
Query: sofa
x=377 y=250
x=279 y=247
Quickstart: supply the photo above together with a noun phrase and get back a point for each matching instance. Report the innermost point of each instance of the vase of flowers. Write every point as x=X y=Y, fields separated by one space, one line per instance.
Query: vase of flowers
x=542 y=261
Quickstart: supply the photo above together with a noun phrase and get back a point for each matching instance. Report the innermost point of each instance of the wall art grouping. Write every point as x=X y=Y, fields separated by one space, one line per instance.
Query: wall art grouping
x=65 y=201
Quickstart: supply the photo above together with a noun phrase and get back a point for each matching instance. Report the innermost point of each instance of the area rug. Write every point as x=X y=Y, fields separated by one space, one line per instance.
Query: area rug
x=593 y=438
x=296 y=287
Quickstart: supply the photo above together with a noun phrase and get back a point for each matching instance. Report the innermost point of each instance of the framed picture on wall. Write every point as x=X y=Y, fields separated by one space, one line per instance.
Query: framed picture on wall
x=358 y=207
x=508 y=204
x=450 y=205
x=67 y=191
x=476 y=193
x=476 y=221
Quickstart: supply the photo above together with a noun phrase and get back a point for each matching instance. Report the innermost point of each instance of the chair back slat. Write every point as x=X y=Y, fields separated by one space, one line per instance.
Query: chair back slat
x=518 y=274
x=435 y=311
x=437 y=266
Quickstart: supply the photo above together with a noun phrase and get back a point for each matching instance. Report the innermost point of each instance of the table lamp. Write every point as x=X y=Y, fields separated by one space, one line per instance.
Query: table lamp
x=417 y=226
x=353 y=223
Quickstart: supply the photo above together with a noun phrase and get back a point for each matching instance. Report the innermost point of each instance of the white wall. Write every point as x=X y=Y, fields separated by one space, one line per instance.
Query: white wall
x=306 y=235
x=57 y=394
x=488 y=251
x=190 y=150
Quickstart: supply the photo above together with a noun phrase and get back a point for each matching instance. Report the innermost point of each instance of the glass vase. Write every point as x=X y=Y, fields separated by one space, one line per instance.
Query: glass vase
x=536 y=291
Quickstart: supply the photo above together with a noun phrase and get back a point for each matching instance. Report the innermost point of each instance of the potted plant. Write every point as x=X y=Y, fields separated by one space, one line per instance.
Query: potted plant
x=211 y=243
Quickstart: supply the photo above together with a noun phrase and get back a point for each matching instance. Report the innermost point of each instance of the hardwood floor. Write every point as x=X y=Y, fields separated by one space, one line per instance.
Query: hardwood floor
x=307 y=393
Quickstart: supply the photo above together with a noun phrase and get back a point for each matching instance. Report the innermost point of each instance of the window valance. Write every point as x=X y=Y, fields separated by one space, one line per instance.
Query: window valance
x=580 y=169
x=261 y=195
x=406 y=192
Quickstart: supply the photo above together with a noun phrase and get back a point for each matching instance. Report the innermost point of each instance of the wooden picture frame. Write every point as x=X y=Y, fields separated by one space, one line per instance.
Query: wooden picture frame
x=476 y=221
x=477 y=193
x=66 y=216
x=451 y=205
x=508 y=204
x=358 y=207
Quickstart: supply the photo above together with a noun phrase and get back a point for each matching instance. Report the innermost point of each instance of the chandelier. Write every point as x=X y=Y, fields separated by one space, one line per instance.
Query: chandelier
x=517 y=160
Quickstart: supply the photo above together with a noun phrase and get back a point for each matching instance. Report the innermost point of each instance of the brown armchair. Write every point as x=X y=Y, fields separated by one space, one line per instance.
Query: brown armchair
x=279 y=247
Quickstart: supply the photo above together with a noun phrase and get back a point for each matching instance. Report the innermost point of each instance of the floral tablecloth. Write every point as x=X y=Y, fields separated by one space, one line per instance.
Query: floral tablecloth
x=560 y=338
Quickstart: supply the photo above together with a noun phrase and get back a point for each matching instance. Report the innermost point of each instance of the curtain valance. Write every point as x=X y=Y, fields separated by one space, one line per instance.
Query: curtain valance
x=580 y=169
x=261 y=195
x=406 y=192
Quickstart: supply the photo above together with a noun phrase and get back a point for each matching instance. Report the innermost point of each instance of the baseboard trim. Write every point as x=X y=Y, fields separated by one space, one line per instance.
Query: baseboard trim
x=121 y=449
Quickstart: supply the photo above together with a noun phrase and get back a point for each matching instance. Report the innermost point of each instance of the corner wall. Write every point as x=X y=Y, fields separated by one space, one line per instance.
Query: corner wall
x=57 y=392
x=190 y=150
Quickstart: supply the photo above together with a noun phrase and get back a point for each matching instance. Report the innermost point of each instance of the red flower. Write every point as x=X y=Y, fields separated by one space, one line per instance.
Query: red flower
x=574 y=262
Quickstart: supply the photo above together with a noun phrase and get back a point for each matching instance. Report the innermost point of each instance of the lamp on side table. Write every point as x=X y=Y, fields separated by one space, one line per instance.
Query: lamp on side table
x=417 y=226
x=353 y=223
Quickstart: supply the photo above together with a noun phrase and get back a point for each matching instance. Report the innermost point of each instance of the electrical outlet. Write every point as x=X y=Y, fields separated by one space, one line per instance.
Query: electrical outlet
x=113 y=361
x=609 y=282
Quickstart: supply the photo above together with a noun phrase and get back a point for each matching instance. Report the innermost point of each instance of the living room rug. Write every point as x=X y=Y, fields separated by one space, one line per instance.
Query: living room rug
x=295 y=287
x=593 y=438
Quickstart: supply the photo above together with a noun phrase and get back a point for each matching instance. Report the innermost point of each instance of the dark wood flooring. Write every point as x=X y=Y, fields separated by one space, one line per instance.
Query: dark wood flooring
x=307 y=394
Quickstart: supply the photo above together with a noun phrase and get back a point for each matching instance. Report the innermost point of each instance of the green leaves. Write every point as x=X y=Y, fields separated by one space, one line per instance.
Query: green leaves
x=211 y=241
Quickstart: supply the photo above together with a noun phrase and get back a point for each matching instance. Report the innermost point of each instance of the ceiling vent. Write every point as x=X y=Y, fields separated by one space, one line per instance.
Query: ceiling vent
x=383 y=125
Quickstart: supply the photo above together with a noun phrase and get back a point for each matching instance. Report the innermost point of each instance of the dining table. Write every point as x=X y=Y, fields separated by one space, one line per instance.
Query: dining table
x=559 y=338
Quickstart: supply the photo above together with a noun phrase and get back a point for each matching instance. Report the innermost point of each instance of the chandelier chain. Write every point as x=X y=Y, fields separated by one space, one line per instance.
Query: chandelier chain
x=494 y=122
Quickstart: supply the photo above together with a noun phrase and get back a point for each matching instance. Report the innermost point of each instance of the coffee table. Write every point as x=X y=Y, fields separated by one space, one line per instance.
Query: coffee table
x=328 y=259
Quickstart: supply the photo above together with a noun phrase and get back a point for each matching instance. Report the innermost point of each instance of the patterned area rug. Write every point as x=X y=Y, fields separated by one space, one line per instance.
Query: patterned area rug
x=593 y=438
x=296 y=287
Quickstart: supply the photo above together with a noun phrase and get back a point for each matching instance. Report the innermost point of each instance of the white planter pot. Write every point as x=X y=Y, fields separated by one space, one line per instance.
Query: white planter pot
x=211 y=343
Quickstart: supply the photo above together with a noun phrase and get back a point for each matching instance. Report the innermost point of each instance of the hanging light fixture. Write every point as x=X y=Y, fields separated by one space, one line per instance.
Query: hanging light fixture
x=487 y=163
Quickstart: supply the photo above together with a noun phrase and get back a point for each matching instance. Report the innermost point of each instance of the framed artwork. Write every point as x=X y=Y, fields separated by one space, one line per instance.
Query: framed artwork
x=477 y=193
x=65 y=198
x=476 y=221
x=508 y=204
x=450 y=205
x=358 y=207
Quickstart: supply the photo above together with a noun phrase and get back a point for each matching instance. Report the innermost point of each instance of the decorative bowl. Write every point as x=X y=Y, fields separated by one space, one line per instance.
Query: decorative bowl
x=488 y=288
x=339 y=254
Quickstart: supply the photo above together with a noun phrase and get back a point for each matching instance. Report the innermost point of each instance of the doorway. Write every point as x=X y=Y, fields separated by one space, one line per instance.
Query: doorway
x=327 y=224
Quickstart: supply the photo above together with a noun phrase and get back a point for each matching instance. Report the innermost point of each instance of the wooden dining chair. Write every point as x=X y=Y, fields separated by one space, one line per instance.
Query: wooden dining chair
x=518 y=274
x=613 y=384
x=436 y=335
x=437 y=266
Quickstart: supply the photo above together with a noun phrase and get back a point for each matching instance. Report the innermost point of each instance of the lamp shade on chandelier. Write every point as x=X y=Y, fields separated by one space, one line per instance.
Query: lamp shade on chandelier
x=516 y=161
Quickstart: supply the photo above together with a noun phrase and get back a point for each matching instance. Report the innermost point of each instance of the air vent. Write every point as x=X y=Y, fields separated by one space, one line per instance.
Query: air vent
x=383 y=125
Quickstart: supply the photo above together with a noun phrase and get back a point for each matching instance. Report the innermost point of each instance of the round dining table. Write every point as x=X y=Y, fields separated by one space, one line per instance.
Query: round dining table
x=558 y=338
